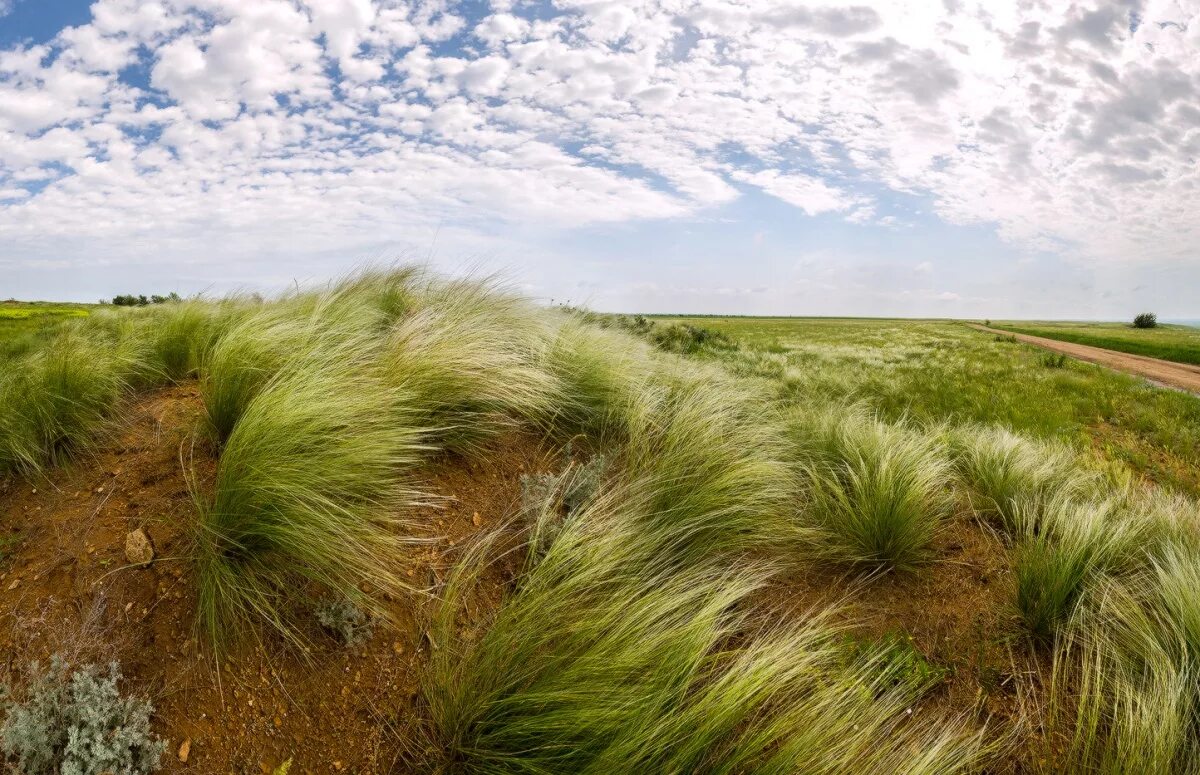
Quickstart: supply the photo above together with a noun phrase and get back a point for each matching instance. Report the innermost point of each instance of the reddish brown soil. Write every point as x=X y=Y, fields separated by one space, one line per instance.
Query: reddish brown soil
x=66 y=587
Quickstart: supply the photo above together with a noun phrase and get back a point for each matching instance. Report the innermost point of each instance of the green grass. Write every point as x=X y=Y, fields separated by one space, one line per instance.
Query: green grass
x=307 y=492
x=934 y=372
x=638 y=634
x=1168 y=342
x=876 y=493
x=608 y=660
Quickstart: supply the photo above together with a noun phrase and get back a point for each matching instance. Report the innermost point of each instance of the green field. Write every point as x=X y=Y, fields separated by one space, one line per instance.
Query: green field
x=750 y=545
x=941 y=371
x=24 y=324
x=1168 y=342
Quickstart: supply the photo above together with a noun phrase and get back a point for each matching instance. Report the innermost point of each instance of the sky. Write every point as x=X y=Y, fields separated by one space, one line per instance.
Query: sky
x=943 y=158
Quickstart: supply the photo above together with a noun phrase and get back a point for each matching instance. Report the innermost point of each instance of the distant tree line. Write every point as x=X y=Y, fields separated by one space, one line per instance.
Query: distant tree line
x=129 y=300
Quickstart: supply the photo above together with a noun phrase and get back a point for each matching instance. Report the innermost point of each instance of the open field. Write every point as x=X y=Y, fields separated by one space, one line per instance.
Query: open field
x=409 y=524
x=943 y=371
x=1168 y=342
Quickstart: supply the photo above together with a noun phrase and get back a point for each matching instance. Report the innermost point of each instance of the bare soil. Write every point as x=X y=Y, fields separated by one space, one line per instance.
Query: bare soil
x=1181 y=376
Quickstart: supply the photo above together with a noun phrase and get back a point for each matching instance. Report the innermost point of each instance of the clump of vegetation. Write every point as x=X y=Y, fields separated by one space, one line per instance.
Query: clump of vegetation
x=307 y=488
x=876 y=493
x=1145 y=320
x=352 y=625
x=687 y=339
x=75 y=722
x=129 y=300
x=1054 y=360
x=1010 y=476
x=613 y=658
x=53 y=399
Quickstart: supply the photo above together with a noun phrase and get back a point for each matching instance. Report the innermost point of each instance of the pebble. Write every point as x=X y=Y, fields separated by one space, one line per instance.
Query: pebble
x=184 y=749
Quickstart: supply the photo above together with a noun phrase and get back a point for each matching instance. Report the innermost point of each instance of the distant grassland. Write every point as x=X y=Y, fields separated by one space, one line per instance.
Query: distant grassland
x=24 y=324
x=1168 y=342
x=22 y=310
x=937 y=371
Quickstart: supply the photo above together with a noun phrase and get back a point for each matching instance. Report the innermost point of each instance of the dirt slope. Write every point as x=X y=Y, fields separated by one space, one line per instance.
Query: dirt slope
x=66 y=588
x=1181 y=376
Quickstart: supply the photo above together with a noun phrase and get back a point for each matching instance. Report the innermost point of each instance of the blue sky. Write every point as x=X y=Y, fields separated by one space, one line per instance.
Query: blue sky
x=744 y=156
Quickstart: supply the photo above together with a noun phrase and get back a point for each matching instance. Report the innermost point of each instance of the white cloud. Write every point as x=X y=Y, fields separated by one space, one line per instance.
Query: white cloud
x=808 y=193
x=1070 y=128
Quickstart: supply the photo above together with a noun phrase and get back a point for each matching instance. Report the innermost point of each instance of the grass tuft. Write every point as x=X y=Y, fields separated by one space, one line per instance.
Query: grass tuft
x=874 y=493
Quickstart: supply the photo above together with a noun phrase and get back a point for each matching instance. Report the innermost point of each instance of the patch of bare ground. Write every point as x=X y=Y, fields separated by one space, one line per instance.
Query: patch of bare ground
x=957 y=612
x=66 y=587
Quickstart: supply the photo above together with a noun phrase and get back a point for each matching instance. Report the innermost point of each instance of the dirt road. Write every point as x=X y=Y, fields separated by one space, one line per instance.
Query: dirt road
x=1181 y=376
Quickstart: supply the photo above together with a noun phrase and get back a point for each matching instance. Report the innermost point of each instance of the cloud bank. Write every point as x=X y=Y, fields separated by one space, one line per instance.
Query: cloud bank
x=172 y=129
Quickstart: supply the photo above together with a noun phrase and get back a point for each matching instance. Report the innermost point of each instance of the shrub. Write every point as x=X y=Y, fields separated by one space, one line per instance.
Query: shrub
x=1053 y=360
x=1145 y=320
x=75 y=722
x=687 y=339
x=350 y=623
x=876 y=492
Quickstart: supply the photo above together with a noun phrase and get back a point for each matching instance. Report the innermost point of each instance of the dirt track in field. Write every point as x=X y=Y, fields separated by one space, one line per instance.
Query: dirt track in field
x=1181 y=376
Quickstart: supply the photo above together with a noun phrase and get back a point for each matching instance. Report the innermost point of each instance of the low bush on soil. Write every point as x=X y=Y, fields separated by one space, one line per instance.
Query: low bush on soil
x=75 y=722
x=1145 y=320
x=1053 y=360
x=351 y=624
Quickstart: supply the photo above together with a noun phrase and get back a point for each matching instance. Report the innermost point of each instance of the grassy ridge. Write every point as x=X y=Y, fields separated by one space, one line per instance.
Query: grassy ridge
x=634 y=639
x=1180 y=344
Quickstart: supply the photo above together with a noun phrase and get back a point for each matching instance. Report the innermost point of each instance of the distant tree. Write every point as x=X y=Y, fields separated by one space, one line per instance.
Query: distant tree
x=1145 y=320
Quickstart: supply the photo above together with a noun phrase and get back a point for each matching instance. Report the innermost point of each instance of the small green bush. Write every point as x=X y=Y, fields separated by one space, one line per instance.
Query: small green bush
x=686 y=338
x=75 y=722
x=1145 y=320
x=1053 y=360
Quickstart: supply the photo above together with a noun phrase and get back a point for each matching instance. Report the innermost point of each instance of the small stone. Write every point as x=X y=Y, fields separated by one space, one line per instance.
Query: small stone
x=184 y=749
x=100 y=488
x=475 y=519
x=338 y=765
x=15 y=583
x=139 y=549
x=129 y=606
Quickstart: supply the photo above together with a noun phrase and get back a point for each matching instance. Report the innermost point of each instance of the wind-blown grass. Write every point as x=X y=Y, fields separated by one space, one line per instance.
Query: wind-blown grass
x=721 y=486
x=875 y=493
x=55 y=398
x=1065 y=544
x=260 y=342
x=1009 y=474
x=307 y=492
x=468 y=356
x=609 y=660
